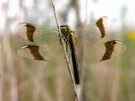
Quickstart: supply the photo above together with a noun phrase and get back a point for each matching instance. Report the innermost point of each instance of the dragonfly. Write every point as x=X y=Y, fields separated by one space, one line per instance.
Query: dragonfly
x=45 y=44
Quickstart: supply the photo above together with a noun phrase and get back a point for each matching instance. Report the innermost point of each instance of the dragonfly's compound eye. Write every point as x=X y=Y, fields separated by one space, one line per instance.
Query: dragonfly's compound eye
x=63 y=30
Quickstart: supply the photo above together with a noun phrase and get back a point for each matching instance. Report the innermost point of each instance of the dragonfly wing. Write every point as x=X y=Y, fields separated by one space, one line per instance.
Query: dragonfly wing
x=36 y=34
x=95 y=31
x=52 y=52
x=100 y=51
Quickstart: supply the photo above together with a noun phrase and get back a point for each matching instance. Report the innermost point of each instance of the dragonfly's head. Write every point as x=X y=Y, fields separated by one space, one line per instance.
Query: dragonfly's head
x=65 y=29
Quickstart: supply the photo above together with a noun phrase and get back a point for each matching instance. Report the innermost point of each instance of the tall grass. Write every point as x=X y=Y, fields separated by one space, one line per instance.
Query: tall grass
x=22 y=79
x=28 y=80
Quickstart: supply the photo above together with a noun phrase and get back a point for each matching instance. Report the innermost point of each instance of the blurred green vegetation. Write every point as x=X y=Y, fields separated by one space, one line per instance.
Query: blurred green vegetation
x=112 y=80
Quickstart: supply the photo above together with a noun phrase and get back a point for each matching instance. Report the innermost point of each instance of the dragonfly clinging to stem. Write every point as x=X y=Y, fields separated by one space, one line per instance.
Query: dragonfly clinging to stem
x=46 y=46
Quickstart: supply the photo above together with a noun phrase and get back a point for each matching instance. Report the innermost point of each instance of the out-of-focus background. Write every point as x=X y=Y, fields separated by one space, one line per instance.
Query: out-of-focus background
x=23 y=79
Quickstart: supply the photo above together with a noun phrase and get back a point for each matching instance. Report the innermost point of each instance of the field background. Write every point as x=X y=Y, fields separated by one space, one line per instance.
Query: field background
x=22 y=79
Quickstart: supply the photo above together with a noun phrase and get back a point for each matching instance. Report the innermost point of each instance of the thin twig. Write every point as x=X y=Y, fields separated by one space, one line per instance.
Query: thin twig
x=7 y=56
x=86 y=13
x=65 y=53
x=1 y=71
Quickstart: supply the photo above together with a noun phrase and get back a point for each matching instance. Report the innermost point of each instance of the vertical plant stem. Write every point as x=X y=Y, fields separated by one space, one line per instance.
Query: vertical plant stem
x=7 y=56
x=65 y=54
x=1 y=70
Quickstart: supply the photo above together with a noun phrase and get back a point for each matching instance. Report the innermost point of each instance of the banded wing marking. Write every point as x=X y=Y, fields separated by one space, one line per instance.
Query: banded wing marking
x=95 y=31
x=101 y=50
x=36 y=34
x=52 y=52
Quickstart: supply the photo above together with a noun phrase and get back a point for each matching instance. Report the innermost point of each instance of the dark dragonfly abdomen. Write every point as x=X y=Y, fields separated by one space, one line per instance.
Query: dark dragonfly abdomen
x=74 y=59
x=69 y=38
